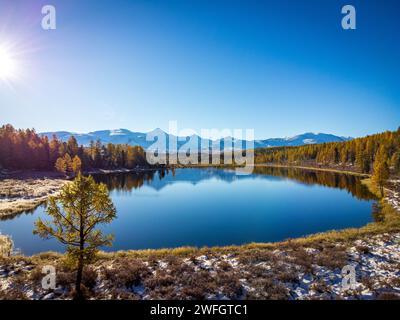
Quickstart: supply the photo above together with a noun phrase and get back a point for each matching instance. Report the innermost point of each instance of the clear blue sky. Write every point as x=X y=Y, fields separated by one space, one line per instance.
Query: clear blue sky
x=281 y=67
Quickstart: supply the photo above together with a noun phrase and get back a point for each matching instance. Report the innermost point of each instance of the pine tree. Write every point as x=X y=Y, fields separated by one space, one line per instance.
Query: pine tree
x=82 y=206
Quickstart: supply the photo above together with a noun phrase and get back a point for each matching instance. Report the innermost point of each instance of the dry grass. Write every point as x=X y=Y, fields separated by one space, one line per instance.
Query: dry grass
x=126 y=272
x=332 y=257
x=255 y=273
x=6 y=246
x=18 y=195
x=268 y=289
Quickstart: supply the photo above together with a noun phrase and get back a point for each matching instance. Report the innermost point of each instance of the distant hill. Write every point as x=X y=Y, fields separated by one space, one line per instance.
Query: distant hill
x=124 y=136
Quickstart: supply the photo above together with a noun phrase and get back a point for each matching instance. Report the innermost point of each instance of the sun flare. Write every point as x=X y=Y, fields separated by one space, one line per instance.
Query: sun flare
x=8 y=65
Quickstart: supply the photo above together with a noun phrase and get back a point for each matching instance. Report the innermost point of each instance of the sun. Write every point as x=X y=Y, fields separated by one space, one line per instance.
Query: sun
x=8 y=65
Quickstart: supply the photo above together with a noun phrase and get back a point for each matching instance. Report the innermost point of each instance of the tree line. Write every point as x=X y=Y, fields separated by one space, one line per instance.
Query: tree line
x=358 y=154
x=25 y=149
x=377 y=154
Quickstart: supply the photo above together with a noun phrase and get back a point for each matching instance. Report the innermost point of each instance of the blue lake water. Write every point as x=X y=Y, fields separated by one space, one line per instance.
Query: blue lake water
x=213 y=207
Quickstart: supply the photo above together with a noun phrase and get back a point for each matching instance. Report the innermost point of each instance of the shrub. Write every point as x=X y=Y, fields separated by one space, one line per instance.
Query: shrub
x=332 y=257
x=127 y=272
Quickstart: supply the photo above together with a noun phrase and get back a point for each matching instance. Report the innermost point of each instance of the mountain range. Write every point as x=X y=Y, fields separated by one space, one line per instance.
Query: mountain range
x=124 y=136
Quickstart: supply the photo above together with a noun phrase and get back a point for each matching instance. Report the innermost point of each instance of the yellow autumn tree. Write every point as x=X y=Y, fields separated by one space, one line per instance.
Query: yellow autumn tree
x=61 y=165
x=76 y=165
x=380 y=169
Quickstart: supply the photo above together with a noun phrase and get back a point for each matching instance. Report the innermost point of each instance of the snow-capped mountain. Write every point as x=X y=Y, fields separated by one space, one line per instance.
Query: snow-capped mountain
x=301 y=139
x=124 y=136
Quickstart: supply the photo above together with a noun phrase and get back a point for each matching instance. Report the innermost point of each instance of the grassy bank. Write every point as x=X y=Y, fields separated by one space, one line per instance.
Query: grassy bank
x=25 y=191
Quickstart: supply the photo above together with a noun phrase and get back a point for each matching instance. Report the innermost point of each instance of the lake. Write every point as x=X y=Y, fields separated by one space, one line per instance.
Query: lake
x=214 y=207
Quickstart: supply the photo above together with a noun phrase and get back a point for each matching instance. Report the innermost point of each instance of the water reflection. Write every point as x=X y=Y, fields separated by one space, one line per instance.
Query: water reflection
x=349 y=182
x=158 y=179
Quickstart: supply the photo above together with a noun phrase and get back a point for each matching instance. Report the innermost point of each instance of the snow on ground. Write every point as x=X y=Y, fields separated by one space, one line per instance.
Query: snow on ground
x=392 y=194
x=18 y=195
x=291 y=272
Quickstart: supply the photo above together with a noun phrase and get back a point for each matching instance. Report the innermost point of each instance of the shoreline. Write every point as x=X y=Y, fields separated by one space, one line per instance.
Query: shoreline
x=271 y=165
x=25 y=191
x=122 y=170
x=22 y=191
x=314 y=169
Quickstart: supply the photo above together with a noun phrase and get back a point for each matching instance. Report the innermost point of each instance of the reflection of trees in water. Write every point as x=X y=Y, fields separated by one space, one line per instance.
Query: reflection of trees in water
x=135 y=180
x=325 y=178
x=129 y=181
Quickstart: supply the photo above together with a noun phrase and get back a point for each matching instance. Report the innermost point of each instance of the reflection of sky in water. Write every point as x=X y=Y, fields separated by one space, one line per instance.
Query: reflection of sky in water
x=200 y=207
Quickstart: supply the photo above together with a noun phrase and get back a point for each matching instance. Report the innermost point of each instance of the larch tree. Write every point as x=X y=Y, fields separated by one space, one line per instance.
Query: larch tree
x=76 y=165
x=72 y=146
x=396 y=162
x=81 y=206
x=68 y=161
x=380 y=169
x=61 y=165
